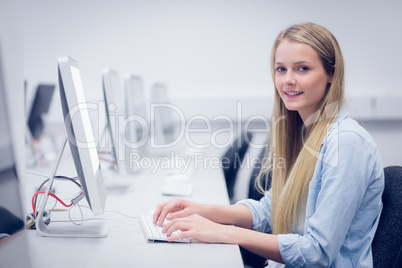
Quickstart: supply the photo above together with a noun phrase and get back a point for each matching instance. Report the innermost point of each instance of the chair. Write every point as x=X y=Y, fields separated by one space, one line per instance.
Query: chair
x=253 y=192
x=232 y=161
x=387 y=243
x=9 y=224
x=251 y=259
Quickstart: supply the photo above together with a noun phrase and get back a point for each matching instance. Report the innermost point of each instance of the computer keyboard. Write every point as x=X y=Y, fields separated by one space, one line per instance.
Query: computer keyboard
x=153 y=233
x=179 y=188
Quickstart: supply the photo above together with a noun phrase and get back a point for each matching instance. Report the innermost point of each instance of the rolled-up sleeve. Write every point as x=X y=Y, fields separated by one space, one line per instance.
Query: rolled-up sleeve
x=260 y=212
x=336 y=192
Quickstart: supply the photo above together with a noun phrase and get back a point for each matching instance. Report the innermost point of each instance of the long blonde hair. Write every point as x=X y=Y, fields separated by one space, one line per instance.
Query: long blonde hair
x=293 y=147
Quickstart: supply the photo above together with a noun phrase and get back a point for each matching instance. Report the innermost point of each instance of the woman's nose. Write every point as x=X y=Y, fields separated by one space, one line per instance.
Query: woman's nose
x=289 y=78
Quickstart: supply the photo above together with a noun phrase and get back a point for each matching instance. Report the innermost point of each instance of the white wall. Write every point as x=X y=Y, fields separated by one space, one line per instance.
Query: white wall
x=213 y=53
x=206 y=48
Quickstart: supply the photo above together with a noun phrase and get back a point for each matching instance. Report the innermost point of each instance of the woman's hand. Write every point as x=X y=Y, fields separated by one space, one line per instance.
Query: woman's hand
x=175 y=208
x=197 y=227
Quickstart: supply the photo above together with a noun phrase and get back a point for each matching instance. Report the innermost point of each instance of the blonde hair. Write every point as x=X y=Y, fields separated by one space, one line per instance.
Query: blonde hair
x=293 y=147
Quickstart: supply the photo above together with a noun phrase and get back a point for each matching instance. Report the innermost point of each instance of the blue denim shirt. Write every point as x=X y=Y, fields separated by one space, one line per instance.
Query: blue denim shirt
x=343 y=203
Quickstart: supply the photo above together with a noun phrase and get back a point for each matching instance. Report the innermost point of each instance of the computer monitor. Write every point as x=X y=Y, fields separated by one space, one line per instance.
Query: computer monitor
x=84 y=152
x=13 y=241
x=136 y=109
x=163 y=123
x=115 y=111
x=40 y=107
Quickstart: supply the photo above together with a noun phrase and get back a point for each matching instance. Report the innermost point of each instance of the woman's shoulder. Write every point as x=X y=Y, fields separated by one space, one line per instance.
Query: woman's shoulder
x=348 y=130
x=349 y=125
x=349 y=144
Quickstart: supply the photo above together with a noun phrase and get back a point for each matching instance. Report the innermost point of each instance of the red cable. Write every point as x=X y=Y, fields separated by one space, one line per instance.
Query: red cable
x=106 y=160
x=52 y=195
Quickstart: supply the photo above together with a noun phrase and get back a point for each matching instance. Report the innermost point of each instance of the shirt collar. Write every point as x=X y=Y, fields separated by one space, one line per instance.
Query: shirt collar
x=342 y=114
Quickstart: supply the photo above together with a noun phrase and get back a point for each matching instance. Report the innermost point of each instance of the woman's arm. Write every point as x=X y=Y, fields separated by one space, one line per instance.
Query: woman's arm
x=200 y=228
x=262 y=244
x=238 y=215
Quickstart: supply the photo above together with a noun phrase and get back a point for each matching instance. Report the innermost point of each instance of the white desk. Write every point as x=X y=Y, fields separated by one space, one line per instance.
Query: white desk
x=125 y=245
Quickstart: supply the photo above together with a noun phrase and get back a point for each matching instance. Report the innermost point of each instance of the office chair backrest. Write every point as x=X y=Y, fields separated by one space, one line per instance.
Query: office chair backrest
x=249 y=258
x=253 y=192
x=387 y=243
x=232 y=160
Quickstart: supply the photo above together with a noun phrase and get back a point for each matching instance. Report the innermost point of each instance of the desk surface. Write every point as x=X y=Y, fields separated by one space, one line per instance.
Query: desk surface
x=125 y=245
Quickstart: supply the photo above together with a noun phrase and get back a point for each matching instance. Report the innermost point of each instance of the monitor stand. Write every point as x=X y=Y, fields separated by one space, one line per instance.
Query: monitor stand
x=92 y=229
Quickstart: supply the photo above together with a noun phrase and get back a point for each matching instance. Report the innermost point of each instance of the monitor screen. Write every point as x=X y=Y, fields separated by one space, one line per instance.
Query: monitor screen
x=40 y=107
x=80 y=135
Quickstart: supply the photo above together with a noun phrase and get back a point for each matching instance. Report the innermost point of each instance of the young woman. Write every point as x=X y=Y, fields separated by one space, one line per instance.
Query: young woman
x=327 y=178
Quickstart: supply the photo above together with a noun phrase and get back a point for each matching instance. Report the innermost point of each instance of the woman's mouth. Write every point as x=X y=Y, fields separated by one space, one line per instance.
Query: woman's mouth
x=293 y=93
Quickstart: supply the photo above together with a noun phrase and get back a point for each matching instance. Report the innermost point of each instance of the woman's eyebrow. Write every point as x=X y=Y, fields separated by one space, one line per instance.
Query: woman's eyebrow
x=293 y=63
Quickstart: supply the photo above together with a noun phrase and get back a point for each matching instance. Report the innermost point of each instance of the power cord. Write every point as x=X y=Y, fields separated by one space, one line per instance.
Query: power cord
x=74 y=221
x=47 y=179
x=31 y=217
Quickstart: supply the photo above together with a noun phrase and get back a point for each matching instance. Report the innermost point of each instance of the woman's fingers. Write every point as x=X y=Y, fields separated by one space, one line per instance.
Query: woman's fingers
x=179 y=235
x=179 y=214
x=163 y=209
x=157 y=212
x=174 y=227
x=193 y=226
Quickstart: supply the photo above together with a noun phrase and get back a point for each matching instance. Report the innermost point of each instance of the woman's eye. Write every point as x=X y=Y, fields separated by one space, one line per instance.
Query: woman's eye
x=280 y=69
x=303 y=68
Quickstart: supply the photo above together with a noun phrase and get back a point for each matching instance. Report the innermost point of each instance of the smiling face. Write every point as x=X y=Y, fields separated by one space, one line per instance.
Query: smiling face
x=300 y=77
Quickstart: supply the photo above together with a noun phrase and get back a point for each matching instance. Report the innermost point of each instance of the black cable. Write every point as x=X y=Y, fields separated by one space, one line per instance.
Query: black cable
x=56 y=177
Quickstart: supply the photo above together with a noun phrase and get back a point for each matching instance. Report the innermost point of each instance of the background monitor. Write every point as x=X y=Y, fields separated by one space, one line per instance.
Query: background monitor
x=163 y=121
x=84 y=152
x=40 y=107
x=136 y=114
x=13 y=244
x=115 y=111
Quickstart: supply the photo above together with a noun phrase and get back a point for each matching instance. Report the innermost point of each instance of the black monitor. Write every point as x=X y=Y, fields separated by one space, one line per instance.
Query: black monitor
x=40 y=107
x=84 y=152
x=13 y=241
